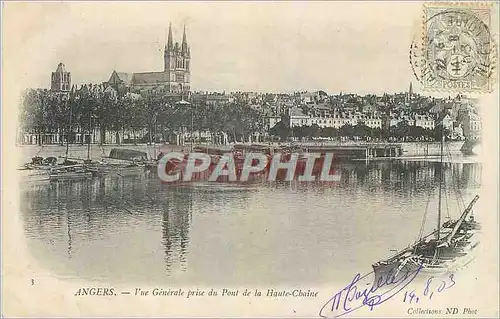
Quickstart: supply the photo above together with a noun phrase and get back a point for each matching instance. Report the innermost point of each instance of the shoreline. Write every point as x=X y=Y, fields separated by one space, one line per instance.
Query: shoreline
x=411 y=150
x=188 y=145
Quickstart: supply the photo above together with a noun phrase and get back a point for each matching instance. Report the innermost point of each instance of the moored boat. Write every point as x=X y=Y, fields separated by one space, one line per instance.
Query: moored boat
x=122 y=161
x=34 y=175
x=77 y=171
x=447 y=249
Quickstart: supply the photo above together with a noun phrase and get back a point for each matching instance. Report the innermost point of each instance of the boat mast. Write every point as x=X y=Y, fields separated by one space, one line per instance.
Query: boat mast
x=69 y=129
x=90 y=134
x=192 y=127
x=440 y=184
x=154 y=138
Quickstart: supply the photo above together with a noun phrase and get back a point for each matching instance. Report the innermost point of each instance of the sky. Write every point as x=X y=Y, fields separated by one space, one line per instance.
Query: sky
x=354 y=47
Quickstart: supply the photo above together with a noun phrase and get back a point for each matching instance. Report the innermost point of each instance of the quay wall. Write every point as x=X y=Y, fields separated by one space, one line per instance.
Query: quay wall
x=408 y=148
x=26 y=152
x=77 y=151
x=429 y=148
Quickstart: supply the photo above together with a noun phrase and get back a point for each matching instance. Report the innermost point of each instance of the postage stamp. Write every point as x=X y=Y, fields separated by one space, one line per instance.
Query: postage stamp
x=456 y=51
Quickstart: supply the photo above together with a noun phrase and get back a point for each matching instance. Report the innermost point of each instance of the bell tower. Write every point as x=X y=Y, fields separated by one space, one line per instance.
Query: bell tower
x=177 y=63
x=61 y=79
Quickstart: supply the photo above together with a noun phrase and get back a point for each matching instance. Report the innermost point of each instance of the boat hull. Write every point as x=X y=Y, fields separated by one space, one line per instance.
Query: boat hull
x=30 y=176
x=70 y=176
x=449 y=260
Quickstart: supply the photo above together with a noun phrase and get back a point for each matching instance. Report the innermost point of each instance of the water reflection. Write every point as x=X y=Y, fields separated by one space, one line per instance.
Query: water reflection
x=134 y=227
x=177 y=215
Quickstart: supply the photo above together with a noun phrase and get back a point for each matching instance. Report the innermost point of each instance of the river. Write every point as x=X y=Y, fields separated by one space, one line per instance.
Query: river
x=136 y=229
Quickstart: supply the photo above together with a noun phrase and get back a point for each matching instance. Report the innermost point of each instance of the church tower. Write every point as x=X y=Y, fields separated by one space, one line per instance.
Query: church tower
x=177 y=63
x=60 y=80
x=409 y=94
x=168 y=54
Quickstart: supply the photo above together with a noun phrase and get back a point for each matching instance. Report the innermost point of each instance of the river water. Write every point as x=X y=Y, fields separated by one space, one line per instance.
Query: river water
x=136 y=229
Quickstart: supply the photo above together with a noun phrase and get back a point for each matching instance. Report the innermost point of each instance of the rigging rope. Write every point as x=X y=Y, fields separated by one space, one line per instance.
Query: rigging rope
x=102 y=150
x=446 y=199
x=421 y=232
x=40 y=150
x=444 y=184
x=459 y=197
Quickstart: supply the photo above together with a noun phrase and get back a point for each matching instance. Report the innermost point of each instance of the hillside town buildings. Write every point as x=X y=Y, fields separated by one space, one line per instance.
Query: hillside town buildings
x=383 y=112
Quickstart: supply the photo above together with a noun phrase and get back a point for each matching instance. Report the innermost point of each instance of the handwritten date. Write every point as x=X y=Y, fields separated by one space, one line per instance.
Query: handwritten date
x=432 y=286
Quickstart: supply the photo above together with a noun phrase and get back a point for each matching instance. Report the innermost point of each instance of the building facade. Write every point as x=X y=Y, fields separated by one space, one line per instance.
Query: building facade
x=470 y=122
x=176 y=74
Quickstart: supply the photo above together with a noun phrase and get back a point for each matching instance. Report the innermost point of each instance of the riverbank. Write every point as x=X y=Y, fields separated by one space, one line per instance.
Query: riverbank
x=430 y=148
x=409 y=149
x=78 y=151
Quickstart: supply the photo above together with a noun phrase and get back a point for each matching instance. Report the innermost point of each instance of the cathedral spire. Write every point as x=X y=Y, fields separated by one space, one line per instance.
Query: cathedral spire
x=170 y=42
x=409 y=94
x=184 y=45
x=165 y=49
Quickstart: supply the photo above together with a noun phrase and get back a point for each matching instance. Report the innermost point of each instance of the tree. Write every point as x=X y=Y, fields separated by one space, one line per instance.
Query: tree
x=439 y=131
x=346 y=130
x=401 y=130
x=329 y=132
x=362 y=130
x=301 y=131
x=281 y=129
x=35 y=114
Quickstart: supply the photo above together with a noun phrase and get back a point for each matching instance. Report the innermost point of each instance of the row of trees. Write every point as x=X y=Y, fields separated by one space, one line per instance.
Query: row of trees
x=92 y=107
x=401 y=131
x=161 y=115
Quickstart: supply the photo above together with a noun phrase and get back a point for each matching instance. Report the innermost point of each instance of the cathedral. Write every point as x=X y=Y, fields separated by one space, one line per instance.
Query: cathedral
x=175 y=77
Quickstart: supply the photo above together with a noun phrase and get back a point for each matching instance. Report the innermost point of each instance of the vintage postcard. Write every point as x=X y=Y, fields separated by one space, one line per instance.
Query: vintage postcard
x=250 y=159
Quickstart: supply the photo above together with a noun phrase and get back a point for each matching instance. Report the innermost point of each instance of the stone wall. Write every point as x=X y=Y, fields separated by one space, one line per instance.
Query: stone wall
x=429 y=148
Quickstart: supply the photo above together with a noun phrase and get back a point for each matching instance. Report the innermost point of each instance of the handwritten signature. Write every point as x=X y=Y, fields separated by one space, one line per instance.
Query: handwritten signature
x=353 y=296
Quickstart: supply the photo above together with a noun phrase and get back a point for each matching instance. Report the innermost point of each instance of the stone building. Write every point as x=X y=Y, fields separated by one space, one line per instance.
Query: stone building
x=470 y=121
x=60 y=80
x=176 y=74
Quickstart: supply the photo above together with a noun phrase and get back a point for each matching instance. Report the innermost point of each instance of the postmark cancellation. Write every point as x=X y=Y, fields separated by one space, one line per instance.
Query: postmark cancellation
x=456 y=51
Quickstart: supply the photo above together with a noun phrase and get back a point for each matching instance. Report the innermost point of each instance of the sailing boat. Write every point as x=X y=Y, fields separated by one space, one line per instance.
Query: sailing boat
x=448 y=248
x=71 y=169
